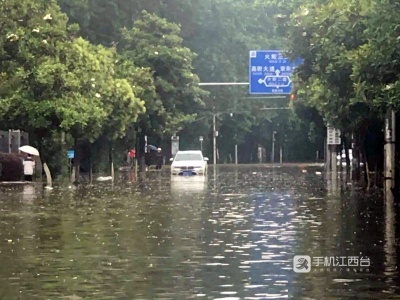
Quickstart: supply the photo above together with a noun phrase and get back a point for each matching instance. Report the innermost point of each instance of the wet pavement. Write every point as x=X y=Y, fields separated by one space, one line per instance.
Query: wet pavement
x=232 y=235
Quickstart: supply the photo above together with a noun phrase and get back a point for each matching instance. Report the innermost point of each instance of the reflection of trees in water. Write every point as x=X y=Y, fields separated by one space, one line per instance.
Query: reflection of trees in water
x=226 y=224
x=344 y=224
x=284 y=179
x=32 y=233
x=187 y=207
x=271 y=219
x=391 y=257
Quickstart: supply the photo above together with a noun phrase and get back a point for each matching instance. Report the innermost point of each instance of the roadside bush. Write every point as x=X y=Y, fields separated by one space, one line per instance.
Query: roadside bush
x=11 y=168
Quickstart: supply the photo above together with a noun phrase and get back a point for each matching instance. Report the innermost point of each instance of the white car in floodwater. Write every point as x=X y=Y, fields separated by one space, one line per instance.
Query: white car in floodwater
x=187 y=163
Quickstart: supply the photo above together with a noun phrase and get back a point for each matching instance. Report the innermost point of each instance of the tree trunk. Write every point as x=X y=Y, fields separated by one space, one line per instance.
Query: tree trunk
x=90 y=165
x=363 y=150
x=376 y=175
x=111 y=161
x=140 y=151
x=368 y=175
x=356 y=157
x=42 y=159
x=366 y=167
x=346 y=151
x=48 y=175
x=65 y=161
x=75 y=177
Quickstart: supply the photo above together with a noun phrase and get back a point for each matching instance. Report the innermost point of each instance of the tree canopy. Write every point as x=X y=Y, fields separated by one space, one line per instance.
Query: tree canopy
x=97 y=69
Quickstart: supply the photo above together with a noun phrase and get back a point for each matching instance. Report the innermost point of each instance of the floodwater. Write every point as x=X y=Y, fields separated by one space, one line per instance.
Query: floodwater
x=232 y=235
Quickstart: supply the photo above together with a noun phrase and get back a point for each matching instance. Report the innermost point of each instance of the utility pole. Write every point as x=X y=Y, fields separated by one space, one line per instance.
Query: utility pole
x=236 y=154
x=390 y=139
x=201 y=143
x=215 y=133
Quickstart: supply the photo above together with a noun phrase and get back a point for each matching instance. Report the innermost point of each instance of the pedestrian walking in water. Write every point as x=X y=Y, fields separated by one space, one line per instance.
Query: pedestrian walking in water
x=29 y=168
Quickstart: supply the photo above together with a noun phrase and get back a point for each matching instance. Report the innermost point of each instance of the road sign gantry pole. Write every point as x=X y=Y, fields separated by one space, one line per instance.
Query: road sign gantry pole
x=215 y=133
x=269 y=74
x=222 y=83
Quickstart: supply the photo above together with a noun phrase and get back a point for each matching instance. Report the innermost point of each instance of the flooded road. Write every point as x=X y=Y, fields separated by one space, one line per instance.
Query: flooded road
x=231 y=236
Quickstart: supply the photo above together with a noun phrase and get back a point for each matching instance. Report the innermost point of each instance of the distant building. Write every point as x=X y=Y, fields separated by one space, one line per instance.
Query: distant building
x=11 y=140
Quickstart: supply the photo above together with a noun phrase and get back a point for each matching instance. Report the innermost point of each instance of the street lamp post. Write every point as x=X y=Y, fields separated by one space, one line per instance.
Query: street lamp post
x=201 y=143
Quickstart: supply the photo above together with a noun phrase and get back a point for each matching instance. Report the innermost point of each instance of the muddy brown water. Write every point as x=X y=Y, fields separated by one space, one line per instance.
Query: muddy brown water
x=231 y=235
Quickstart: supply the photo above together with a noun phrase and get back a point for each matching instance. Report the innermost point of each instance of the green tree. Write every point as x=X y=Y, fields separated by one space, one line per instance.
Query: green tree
x=155 y=43
x=53 y=81
x=101 y=20
x=340 y=75
x=375 y=71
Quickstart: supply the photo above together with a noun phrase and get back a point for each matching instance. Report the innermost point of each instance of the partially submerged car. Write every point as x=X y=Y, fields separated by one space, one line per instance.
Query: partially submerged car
x=186 y=163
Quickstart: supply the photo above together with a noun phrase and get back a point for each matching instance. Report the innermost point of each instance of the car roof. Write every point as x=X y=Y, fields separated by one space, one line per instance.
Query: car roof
x=189 y=151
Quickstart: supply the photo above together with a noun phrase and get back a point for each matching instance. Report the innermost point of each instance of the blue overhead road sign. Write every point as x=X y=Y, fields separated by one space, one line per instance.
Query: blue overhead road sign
x=270 y=72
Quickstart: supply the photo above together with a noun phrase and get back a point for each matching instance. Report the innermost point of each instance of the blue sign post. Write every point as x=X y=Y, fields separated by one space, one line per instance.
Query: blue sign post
x=269 y=72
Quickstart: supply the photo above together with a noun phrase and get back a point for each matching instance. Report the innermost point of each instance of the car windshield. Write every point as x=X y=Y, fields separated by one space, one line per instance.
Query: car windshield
x=188 y=156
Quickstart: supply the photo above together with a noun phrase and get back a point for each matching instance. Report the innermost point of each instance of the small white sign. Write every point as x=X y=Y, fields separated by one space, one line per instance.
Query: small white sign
x=333 y=137
x=174 y=145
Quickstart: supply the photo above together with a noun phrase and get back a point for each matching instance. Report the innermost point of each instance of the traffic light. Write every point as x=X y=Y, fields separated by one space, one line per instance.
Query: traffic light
x=291 y=97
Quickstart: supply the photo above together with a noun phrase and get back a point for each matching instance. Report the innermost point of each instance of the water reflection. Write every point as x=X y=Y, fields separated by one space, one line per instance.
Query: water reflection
x=390 y=242
x=192 y=184
x=249 y=240
x=230 y=235
x=28 y=194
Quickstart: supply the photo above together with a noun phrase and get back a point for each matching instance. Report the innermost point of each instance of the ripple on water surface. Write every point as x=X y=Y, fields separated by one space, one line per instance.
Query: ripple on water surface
x=230 y=238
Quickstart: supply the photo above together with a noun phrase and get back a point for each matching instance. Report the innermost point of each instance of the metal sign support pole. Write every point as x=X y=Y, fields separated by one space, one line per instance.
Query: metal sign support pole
x=214 y=140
